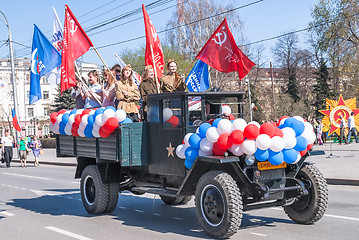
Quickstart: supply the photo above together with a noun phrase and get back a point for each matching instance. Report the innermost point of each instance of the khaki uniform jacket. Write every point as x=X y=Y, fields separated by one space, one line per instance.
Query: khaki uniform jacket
x=167 y=83
x=147 y=87
x=127 y=102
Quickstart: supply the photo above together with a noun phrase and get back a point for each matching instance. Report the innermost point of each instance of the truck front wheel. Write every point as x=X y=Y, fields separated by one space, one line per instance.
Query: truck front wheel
x=94 y=193
x=171 y=200
x=308 y=209
x=218 y=204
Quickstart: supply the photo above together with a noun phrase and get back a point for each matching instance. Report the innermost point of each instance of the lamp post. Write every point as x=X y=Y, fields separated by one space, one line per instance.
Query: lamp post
x=34 y=121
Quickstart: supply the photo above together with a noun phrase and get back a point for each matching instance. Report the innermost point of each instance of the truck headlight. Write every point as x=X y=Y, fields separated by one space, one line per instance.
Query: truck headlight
x=249 y=160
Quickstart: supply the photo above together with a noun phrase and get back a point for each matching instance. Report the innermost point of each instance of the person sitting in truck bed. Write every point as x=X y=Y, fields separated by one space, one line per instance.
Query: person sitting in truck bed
x=147 y=86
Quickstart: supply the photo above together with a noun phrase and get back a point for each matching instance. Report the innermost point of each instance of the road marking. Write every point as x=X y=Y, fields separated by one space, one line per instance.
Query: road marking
x=122 y=207
x=7 y=214
x=342 y=217
x=21 y=175
x=67 y=233
x=258 y=234
x=177 y=218
x=157 y=214
x=70 y=197
x=140 y=211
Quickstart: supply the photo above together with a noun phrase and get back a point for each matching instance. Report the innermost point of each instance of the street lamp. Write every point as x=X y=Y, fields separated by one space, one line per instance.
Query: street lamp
x=34 y=121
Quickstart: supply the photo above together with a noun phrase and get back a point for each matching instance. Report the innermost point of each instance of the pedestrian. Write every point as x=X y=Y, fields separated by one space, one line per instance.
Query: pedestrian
x=128 y=94
x=35 y=145
x=343 y=125
x=23 y=151
x=319 y=132
x=94 y=94
x=147 y=86
x=109 y=90
x=172 y=82
x=315 y=126
x=7 y=142
x=352 y=128
x=78 y=95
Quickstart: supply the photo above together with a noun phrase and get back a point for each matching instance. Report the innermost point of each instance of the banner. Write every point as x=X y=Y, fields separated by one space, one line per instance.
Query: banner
x=75 y=44
x=15 y=122
x=44 y=58
x=197 y=80
x=222 y=53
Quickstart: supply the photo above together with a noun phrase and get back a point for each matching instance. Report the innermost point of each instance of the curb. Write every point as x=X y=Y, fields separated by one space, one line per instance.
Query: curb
x=48 y=163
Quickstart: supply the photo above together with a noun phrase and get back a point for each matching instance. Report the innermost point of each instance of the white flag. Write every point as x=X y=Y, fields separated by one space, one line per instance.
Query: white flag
x=135 y=76
x=54 y=76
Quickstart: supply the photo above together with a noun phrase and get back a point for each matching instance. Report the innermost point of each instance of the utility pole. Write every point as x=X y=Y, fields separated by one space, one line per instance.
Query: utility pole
x=273 y=101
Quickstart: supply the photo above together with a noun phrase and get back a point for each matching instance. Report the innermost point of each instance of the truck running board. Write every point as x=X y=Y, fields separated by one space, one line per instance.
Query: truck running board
x=158 y=191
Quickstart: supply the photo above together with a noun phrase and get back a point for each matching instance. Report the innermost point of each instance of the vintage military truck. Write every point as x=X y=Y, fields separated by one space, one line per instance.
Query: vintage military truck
x=140 y=157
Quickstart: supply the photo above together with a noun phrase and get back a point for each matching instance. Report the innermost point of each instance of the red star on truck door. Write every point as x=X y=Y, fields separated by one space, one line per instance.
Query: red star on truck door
x=170 y=150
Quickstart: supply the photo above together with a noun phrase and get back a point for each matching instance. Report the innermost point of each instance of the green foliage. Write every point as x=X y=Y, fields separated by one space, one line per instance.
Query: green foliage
x=321 y=88
x=63 y=101
x=292 y=87
x=286 y=106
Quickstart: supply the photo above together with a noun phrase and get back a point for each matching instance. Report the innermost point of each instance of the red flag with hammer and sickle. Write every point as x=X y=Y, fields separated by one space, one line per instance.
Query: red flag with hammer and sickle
x=75 y=44
x=152 y=40
x=222 y=53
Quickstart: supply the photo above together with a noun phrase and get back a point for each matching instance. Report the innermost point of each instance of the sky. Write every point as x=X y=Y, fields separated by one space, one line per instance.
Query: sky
x=265 y=19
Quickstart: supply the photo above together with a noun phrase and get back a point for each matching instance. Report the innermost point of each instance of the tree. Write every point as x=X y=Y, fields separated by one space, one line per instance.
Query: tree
x=321 y=88
x=63 y=101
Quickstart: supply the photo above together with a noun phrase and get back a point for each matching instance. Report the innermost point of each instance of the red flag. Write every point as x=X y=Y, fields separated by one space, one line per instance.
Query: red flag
x=15 y=122
x=222 y=53
x=75 y=44
x=153 y=40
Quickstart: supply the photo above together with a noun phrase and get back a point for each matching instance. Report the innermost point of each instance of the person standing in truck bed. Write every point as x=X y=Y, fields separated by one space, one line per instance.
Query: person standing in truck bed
x=147 y=86
x=172 y=82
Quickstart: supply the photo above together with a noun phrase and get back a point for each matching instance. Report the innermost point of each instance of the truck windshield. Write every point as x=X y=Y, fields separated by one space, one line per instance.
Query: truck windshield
x=171 y=113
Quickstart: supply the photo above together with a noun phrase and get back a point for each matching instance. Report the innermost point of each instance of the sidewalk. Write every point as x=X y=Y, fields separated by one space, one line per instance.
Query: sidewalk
x=339 y=164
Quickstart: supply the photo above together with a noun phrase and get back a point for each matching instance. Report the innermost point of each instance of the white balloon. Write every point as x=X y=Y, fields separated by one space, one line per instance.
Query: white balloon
x=277 y=144
x=96 y=127
x=107 y=114
x=224 y=126
x=72 y=119
x=288 y=131
x=299 y=118
x=57 y=128
x=79 y=111
x=68 y=128
x=289 y=141
x=255 y=123
x=308 y=126
x=197 y=130
x=249 y=147
x=95 y=133
x=120 y=115
x=81 y=126
x=298 y=158
x=239 y=124
x=186 y=139
x=226 y=110
x=309 y=135
x=52 y=127
x=236 y=149
x=263 y=141
x=81 y=132
x=204 y=153
x=92 y=112
x=167 y=114
x=84 y=120
x=59 y=118
x=98 y=120
x=180 y=151
x=212 y=134
x=282 y=121
x=205 y=145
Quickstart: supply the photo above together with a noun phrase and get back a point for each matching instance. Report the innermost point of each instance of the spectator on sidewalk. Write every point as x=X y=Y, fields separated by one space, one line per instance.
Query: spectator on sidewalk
x=23 y=151
x=35 y=145
x=351 y=127
x=343 y=125
x=319 y=132
x=7 y=144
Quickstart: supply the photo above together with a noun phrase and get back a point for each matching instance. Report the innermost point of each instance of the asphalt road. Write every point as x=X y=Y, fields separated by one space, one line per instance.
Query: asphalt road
x=45 y=203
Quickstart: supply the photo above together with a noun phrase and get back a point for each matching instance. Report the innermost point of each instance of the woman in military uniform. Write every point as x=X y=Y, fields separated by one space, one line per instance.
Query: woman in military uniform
x=147 y=86
x=172 y=82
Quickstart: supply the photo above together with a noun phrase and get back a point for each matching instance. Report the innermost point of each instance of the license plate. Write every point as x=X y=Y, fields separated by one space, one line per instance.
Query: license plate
x=267 y=165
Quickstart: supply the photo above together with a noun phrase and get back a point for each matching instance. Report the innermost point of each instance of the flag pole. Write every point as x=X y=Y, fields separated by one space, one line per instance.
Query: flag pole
x=154 y=68
x=189 y=66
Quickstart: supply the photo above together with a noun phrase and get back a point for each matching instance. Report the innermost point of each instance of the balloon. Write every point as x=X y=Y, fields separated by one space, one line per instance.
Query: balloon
x=275 y=158
x=74 y=132
x=68 y=128
x=99 y=111
x=180 y=151
x=203 y=153
x=96 y=127
x=75 y=126
x=53 y=117
x=302 y=153
x=267 y=128
x=98 y=119
x=205 y=145
x=79 y=111
x=62 y=111
x=72 y=118
x=226 y=110
x=65 y=117
x=120 y=114
x=308 y=126
x=288 y=131
x=237 y=136
x=82 y=127
x=237 y=150
x=277 y=144
x=167 y=114
x=261 y=155
x=278 y=132
x=263 y=142
x=217 y=150
x=95 y=132
x=56 y=127
x=81 y=132
x=289 y=141
x=249 y=146
x=290 y=155
x=84 y=120
x=299 y=118
x=78 y=119
x=127 y=120
x=191 y=153
x=107 y=114
x=216 y=121
x=103 y=133
x=186 y=139
x=91 y=120
x=88 y=131
x=251 y=131
x=188 y=163
x=212 y=134
x=111 y=107
x=86 y=111
x=203 y=129
x=112 y=123
x=282 y=119
x=73 y=111
x=255 y=123
x=298 y=127
x=302 y=143
x=231 y=117
x=62 y=126
x=92 y=112
x=59 y=118
x=224 y=126
x=174 y=121
x=194 y=141
x=309 y=147
x=224 y=141
x=106 y=129
x=309 y=135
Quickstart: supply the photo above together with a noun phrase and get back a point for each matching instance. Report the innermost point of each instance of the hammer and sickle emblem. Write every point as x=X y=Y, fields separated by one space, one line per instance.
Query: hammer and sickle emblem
x=73 y=27
x=154 y=33
x=220 y=40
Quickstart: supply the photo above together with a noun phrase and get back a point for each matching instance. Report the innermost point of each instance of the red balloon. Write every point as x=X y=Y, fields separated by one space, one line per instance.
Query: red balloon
x=231 y=117
x=53 y=117
x=217 y=150
x=112 y=123
x=62 y=111
x=103 y=133
x=86 y=111
x=224 y=141
x=210 y=121
x=278 y=132
x=280 y=119
x=267 y=128
x=237 y=136
x=251 y=132
x=302 y=153
x=75 y=126
x=74 y=132
x=309 y=147
x=174 y=121
x=106 y=129
x=78 y=119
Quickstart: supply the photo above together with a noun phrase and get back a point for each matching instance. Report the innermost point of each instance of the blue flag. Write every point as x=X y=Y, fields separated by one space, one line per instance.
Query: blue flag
x=44 y=58
x=197 y=80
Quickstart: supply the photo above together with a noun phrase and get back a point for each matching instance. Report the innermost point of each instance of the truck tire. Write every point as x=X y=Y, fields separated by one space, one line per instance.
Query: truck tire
x=171 y=200
x=112 y=199
x=186 y=199
x=308 y=209
x=94 y=193
x=219 y=205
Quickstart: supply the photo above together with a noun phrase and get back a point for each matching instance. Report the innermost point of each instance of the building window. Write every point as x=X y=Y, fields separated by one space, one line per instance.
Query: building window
x=27 y=78
x=46 y=130
x=30 y=112
x=11 y=95
x=30 y=130
x=45 y=95
x=46 y=112
x=44 y=79
x=27 y=94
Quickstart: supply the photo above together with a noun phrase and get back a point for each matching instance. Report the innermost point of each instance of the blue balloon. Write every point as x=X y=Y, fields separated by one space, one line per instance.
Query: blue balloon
x=65 y=117
x=191 y=153
x=216 y=121
x=73 y=111
x=261 y=155
x=203 y=129
x=275 y=158
x=298 y=127
x=290 y=155
x=302 y=143
x=99 y=111
x=91 y=120
x=194 y=140
x=62 y=126
x=289 y=121
x=111 y=107
x=188 y=163
x=127 y=120
x=88 y=131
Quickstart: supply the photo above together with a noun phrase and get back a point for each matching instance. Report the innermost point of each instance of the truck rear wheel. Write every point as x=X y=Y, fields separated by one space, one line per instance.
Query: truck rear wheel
x=186 y=199
x=171 y=200
x=112 y=197
x=218 y=204
x=308 y=209
x=94 y=193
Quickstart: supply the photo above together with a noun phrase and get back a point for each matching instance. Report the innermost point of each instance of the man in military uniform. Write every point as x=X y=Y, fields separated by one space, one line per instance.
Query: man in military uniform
x=172 y=82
